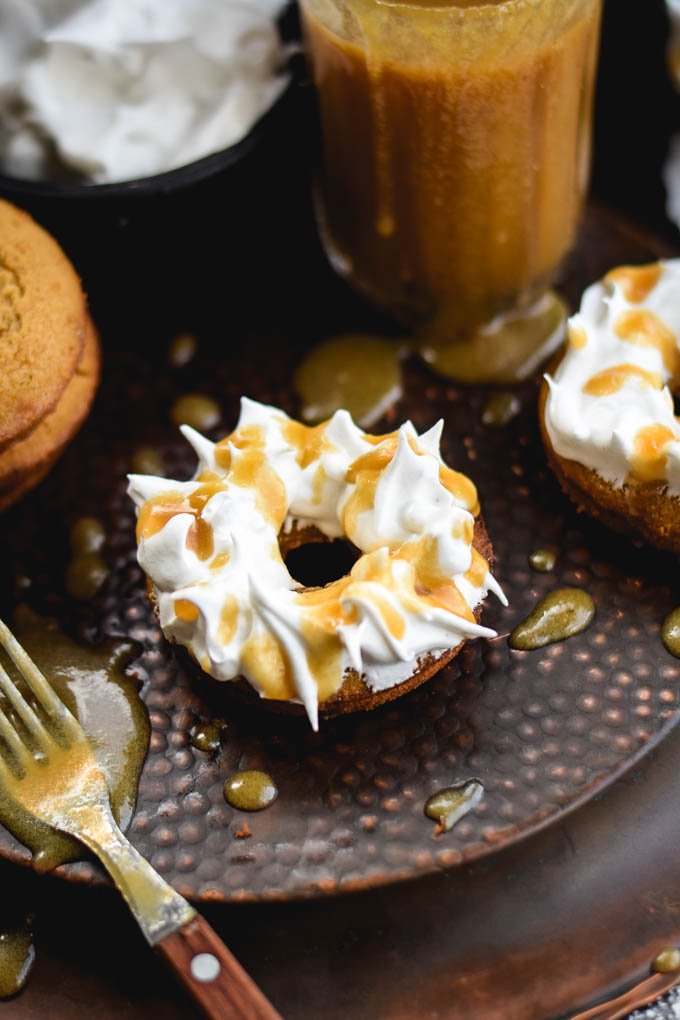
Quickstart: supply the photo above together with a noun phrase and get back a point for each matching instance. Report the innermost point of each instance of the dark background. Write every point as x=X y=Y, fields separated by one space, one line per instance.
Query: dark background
x=637 y=111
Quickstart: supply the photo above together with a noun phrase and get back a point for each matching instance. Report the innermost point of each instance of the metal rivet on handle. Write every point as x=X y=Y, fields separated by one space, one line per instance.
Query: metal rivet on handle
x=205 y=967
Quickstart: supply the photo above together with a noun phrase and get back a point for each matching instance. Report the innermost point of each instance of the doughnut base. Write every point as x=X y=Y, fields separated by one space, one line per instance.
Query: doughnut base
x=643 y=510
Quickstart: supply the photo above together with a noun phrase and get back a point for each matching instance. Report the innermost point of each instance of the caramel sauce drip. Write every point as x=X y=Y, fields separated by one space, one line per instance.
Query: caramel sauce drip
x=366 y=470
x=611 y=380
x=636 y=282
x=309 y=442
x=645 y=329
x=252 y=470
x=460 y=487
x=219 y=561
x=365 y=474
x=265 y=660
x=158 y=510
x=578 y=337
x=228 y=619
x=431 y=586
x=478 y=570
x=318 y=483
x=323 y=614
x=649 y=453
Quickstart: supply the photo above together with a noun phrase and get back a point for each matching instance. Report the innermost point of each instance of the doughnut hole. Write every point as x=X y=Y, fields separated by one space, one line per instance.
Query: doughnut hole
x=315 y=564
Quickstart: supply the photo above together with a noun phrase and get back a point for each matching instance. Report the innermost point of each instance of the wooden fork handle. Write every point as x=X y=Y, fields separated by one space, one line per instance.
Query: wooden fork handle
x=212 y=976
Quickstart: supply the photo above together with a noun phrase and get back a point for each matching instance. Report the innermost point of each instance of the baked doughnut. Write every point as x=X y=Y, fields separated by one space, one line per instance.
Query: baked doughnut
x=606 y=412
x=213 y=549
x=49 y=353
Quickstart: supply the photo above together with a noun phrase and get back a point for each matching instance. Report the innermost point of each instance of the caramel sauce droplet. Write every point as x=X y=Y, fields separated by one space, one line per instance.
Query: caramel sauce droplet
x=446 y=807
x=670 y=633
x=667 y=961
x=543 y=560
x=558 y=615
x=251 y=790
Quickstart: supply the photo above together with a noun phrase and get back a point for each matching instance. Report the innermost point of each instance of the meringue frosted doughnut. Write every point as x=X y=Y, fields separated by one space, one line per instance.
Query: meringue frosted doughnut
x=212 y=550
x=607 y=414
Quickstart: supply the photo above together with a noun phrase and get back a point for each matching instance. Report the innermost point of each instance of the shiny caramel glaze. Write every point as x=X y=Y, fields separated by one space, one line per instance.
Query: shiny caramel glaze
x=94 y=684
x=250 y=790
x=670 y=633
x=448 y=806
x=543 y=560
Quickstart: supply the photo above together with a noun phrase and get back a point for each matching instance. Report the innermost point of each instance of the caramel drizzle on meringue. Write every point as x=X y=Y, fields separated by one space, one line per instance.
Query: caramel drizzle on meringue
x=266 y=660
x=643 y=328
x=308 y=441
x=636 y=282
x=611 y=380
x=365 y=473
x=251 y=469
x=650 y=453
x=156 y=513
x=578 y=337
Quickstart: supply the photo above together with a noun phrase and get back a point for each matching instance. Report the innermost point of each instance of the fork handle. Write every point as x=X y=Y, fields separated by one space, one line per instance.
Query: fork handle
x=212 y=976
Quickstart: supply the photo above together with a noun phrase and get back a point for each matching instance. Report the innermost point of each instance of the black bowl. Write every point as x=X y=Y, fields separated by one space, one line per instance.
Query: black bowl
x=214 y=222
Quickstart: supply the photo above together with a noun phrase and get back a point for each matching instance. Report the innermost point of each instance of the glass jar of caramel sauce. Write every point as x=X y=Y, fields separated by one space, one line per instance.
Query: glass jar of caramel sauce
x=456 y=140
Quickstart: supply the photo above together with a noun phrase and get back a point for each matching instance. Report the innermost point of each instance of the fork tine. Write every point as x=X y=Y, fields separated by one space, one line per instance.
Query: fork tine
x=33 y=724
x=13 y=740
x=40 y=687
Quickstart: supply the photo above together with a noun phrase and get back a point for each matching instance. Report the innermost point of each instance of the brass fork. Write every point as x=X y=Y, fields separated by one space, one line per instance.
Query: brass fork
x=48 y=770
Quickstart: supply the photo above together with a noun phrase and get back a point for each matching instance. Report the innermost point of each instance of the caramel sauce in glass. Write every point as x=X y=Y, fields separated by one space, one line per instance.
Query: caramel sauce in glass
x=456 y=152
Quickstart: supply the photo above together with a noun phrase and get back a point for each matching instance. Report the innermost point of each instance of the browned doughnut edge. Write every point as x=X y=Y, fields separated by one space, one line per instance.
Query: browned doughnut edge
x=643 y=510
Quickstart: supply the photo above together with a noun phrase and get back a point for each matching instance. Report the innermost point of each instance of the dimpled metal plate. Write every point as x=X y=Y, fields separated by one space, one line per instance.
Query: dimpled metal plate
x=541 y=730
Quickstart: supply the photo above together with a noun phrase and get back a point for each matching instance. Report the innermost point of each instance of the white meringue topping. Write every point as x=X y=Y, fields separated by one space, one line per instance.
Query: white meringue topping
x=610 y=407
x=210 y=548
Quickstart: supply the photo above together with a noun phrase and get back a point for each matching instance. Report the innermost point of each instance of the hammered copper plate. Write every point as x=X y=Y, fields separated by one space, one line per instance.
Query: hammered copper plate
x=543 y=731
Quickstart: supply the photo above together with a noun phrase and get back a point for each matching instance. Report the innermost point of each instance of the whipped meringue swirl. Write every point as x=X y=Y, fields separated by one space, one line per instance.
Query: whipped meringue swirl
x=210 y=547
x=609 y=405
